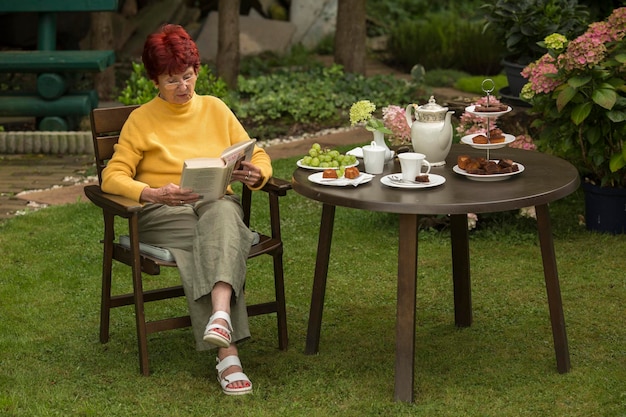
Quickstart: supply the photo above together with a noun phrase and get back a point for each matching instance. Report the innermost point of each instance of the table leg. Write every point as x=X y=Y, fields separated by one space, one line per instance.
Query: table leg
x=553 y=289
x=461 y=270
x=319 y=279
x=405 y=316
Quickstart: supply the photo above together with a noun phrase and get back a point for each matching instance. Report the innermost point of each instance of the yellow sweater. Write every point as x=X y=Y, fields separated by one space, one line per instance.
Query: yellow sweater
x=159 y=136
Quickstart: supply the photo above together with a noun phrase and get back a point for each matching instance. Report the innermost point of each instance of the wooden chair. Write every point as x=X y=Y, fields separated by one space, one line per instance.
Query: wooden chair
x=106 y=124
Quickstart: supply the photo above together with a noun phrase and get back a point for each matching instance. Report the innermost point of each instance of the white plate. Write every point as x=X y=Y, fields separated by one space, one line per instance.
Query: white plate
x=470 y=109
x=435 y=180
x=301 y=165
x=468 y=141
x=489 y=177
x=317 y=178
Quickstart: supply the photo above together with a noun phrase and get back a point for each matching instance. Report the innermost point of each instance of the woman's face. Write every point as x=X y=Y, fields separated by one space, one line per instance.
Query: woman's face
x=177 y=88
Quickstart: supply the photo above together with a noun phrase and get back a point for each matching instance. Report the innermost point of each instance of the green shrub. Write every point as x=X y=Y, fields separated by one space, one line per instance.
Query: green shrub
x=474 y=51
x=310 y=97
x=445 y=41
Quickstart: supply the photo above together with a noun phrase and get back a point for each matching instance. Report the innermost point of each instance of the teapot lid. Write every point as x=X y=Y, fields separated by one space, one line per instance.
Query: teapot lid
x=432 y=107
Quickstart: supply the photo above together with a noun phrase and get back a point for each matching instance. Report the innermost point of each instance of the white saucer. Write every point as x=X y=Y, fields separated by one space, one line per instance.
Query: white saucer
x=489 y=177
x=435 y=180
x=317 y=178
x=468 y=141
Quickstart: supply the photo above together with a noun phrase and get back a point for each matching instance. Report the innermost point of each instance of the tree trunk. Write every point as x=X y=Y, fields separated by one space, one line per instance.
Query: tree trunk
x=102 y=39
x=350 y=36
x=227 y=60
x=129 y=8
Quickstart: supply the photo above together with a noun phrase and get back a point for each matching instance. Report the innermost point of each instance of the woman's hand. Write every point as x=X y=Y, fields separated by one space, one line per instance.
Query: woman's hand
x=171 y=195
x=248 y=174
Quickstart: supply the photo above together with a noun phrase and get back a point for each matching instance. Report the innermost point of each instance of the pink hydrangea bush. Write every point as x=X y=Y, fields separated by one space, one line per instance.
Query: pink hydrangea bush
x=395 y=120
x=578 y=91
x=523 y=142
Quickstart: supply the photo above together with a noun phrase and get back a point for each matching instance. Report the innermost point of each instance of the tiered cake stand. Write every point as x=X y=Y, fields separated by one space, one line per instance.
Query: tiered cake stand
x=488 y=86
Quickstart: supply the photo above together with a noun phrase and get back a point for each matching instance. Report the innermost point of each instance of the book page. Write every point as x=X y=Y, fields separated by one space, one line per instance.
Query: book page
x=238 y=152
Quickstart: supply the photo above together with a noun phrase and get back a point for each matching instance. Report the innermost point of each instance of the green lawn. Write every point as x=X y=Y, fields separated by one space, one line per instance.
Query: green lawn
x=52 y=364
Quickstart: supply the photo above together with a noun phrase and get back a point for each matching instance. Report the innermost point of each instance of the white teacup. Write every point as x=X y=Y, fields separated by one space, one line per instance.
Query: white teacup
x=411 y=164
x=374 y=158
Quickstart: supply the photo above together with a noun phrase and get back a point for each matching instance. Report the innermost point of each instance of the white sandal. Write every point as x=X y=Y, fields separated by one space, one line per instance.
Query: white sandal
x=226 y=363
x=211 y=334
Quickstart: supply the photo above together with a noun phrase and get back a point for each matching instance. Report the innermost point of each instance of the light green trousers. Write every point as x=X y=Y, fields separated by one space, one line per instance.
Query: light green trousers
x=210 y=243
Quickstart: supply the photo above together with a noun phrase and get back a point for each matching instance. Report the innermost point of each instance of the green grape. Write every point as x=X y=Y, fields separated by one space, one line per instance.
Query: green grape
x=326 y=158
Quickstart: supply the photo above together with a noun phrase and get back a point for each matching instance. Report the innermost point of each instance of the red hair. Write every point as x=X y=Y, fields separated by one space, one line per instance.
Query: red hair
x=170 y=51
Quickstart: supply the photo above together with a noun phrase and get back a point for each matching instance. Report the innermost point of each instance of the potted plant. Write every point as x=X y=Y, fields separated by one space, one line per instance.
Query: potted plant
x=521 y=24
x=578 y=93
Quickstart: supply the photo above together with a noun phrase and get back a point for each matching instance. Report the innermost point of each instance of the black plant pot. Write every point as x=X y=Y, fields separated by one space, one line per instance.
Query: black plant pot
x=513 y=73
x=605 y=208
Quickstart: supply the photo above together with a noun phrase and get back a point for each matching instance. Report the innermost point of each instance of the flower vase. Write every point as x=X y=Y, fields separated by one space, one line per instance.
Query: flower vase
x=379 y=139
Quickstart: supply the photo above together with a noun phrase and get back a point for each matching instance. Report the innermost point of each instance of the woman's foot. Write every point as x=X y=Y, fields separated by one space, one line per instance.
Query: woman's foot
x=218 y=330
x=230 y=373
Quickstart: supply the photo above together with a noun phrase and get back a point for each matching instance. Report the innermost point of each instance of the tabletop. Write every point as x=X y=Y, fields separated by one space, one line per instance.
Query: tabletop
x=545 y=178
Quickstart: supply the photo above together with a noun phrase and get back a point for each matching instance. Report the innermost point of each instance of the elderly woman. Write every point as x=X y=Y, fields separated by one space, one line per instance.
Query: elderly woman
x=208 y=238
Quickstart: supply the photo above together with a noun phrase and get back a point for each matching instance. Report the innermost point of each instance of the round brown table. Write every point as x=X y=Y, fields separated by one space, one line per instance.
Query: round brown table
x=545 y=179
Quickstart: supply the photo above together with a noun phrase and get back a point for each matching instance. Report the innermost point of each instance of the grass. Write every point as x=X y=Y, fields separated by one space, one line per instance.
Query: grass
x=52 y=363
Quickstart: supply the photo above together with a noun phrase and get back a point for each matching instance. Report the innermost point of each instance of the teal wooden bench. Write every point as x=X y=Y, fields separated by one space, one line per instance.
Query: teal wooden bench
x=41 y=61
x=52 y=103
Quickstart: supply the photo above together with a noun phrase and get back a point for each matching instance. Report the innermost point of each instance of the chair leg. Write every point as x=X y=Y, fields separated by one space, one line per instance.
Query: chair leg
x=105 y=300
x=281 y=310
x=140 y=317
x=107 y=267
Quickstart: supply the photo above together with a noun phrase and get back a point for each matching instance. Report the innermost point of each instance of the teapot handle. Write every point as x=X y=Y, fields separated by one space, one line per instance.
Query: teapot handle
x=410 y=109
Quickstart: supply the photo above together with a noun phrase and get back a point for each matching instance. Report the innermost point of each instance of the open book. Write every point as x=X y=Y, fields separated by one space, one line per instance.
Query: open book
x=210 y=177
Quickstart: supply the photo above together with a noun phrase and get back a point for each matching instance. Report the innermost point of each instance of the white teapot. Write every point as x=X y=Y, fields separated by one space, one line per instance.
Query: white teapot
x=431 y=132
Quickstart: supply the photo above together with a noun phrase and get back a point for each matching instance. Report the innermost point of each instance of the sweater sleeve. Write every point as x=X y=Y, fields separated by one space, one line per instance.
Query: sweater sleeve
x=118 y=177
x=261 y=159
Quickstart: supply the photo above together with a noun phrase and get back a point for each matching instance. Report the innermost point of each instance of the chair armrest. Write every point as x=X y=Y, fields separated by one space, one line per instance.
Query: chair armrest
x=114 y=204
x=277 y=186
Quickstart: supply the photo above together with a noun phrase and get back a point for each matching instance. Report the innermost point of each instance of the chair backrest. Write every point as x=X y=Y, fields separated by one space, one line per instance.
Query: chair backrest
x=106 y=124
